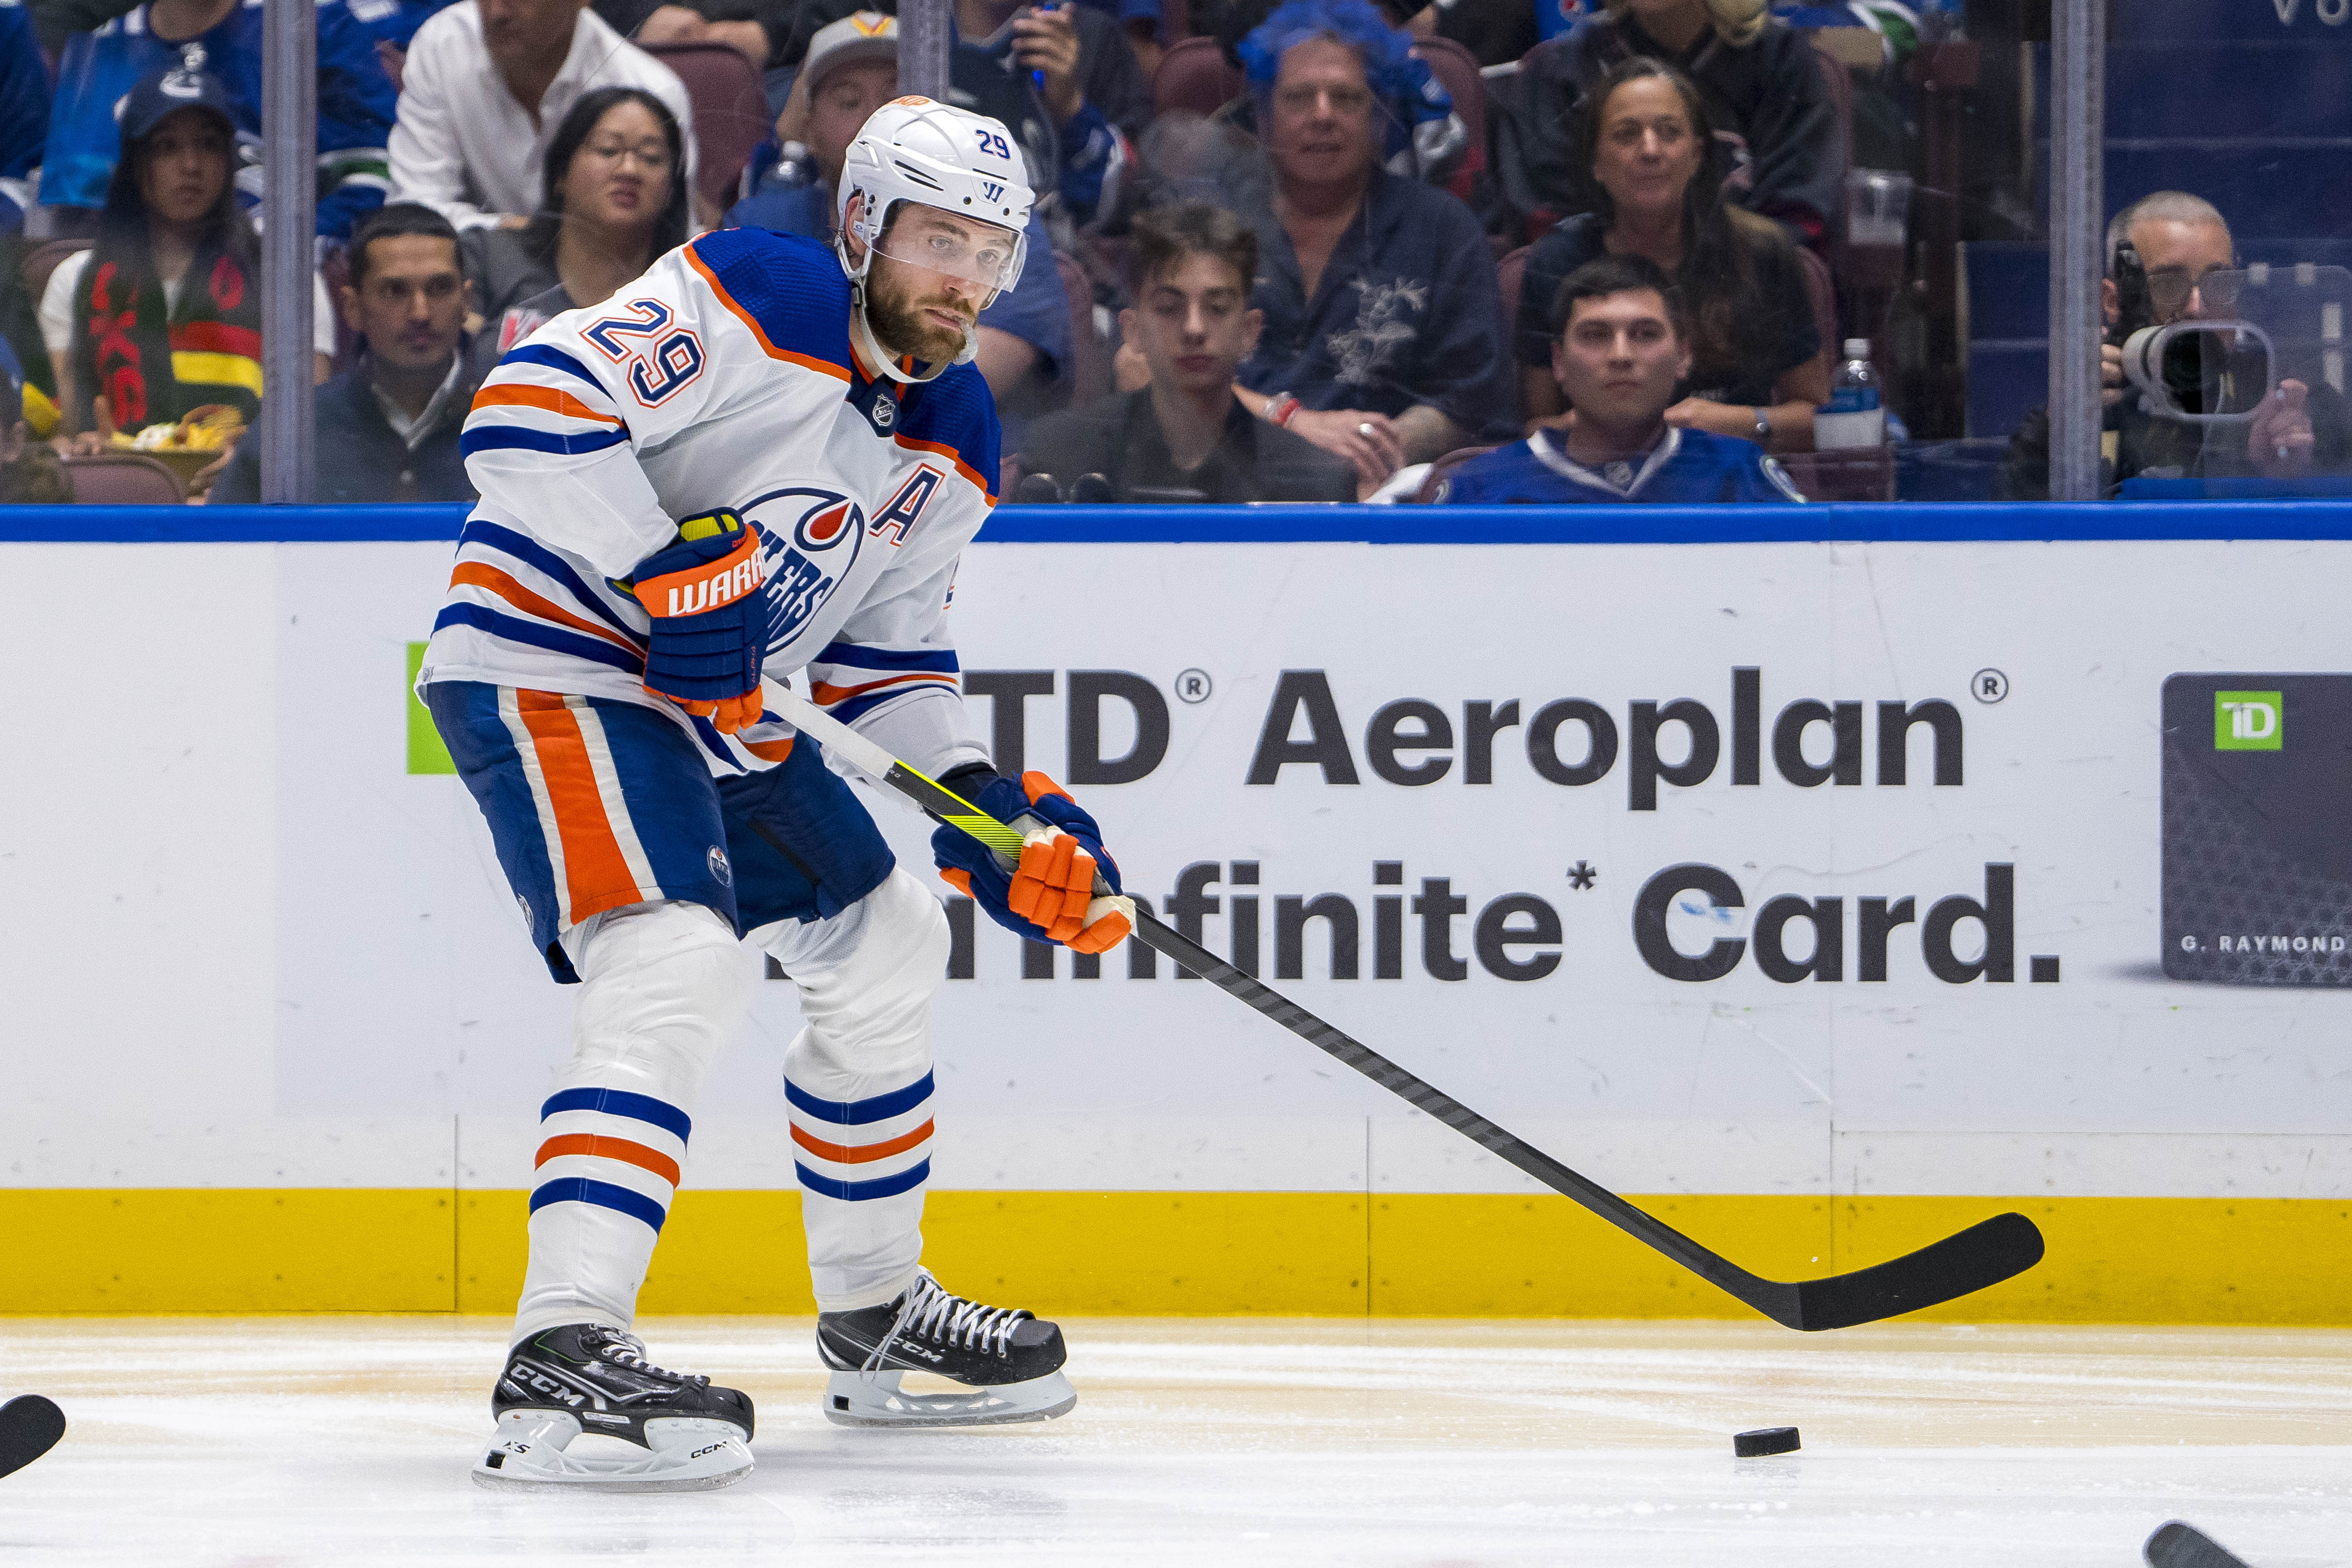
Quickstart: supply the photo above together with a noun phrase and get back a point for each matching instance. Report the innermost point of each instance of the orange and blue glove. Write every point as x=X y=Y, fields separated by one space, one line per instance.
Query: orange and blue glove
x=1050 y=895
x=708 y=596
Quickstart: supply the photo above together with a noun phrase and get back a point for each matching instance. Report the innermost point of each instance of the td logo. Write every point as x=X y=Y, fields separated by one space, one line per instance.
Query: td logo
x=2249 y=721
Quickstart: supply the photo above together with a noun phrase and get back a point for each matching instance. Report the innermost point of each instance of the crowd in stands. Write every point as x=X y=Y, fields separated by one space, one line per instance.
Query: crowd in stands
x=1284 y=251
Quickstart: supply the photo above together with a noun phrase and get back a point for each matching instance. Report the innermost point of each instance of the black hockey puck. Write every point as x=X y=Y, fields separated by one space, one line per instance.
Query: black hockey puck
x=1764 y=1440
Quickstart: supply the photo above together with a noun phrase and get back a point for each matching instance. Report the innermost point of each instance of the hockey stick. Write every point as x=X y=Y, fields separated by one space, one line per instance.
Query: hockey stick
x=2179 y=1545
x=1985 y=1254
x=30 y=1427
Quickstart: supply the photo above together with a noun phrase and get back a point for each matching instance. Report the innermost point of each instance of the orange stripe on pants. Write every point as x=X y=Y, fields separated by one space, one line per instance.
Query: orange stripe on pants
x=860 y=1153
x=620 y=1149
x=596 y=878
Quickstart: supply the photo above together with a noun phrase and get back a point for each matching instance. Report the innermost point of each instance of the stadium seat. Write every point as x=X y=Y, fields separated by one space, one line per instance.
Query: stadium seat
x=1508 y=272
x=1456 y=70
x=1822 y=292
x=1443 y=466
x=730 y=112
x=335 y=271
x=123 y=478
x=1193 y=75
x=1864 y=474
x=46 y=257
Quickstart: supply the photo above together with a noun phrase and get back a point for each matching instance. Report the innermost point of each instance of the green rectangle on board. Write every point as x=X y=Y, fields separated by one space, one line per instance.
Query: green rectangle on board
x=426 y=755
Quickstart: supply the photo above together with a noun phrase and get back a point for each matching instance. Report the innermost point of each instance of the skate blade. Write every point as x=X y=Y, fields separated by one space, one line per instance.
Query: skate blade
x=530 y=1454
x=875 y=1399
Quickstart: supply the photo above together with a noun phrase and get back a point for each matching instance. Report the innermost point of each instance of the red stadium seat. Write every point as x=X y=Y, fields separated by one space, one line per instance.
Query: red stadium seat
x=1508 y=272
x=46 y=257
x=1193 y=75
x=730 y=112
x=123 y=478
x=1456 y=70
x=1444 y=465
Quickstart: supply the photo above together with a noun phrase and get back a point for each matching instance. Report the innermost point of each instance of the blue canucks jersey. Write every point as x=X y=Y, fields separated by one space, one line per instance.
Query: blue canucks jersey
x=355 y=107
x=1686 y=467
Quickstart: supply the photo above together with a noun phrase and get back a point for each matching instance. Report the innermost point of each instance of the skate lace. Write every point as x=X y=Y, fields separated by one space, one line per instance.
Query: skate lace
x=929 y=1312
x=627 y=1350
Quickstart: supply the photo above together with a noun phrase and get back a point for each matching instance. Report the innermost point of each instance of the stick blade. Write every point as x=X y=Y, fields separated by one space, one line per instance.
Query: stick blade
x=2179 y=1545
x=1985 y=1254
x=30 y=1427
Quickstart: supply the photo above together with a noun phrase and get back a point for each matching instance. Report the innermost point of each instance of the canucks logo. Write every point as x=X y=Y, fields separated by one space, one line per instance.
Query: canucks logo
x=812 y=538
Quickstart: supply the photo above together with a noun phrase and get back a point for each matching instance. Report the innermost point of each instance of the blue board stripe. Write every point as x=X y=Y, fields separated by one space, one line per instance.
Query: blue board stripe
x=531 y=554
x=1895 y=522
x=849 y=653
x=551 y=637
x=492 y=437
x=858 y=1113
x=603 y=1195
x=621 y=1102
x=556 y=359
x=858 y=1192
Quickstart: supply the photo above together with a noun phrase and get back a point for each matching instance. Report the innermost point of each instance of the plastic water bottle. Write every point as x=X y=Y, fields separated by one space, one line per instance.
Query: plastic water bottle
x=1853 y=416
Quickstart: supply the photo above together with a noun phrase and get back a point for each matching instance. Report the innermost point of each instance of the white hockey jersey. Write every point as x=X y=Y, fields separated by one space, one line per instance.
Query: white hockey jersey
x=725 y=376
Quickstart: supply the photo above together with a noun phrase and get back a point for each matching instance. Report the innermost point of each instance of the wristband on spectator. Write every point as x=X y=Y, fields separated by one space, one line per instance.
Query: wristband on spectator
x=1280 y=409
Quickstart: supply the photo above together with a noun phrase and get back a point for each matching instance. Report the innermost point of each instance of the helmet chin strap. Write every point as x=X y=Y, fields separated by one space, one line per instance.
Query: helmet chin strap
x=863 y=327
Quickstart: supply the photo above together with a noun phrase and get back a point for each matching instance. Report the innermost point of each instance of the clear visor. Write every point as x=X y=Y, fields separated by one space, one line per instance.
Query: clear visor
x=966 y=249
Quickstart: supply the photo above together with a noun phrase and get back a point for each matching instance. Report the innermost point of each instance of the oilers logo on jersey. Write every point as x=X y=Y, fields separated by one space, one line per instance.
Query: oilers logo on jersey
x=812 y=537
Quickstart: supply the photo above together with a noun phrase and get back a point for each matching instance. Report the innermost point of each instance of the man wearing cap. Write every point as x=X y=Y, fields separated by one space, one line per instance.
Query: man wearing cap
x=852 y=70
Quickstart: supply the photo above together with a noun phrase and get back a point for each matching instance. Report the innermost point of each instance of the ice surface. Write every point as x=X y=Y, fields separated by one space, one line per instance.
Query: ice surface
x=271 y=1443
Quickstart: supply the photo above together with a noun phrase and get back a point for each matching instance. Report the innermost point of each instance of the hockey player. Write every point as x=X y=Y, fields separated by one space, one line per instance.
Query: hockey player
x=758 y=459
x=1619 y=349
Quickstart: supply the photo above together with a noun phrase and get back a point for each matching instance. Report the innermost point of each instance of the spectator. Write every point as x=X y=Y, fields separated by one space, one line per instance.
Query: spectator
x=163 y=314
x=488 y=82
x=756 y=29
x=1073 y=61
x=1619 y=351
x=851 y=71
x=1756 y=366
x=1759 y=78
x=1421 y=136
x=30 y=474
x=1186 y=437
x=614 y=198
x=1499 y=32
x=20 y=333
x=221 y=38
x=24 y=115
x=2181 y=241
x=390 y=422
x=1385 y=339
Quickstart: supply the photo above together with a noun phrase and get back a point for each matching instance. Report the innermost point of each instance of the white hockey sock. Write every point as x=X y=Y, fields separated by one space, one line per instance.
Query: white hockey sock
x=859 y=1079
x=664 y=986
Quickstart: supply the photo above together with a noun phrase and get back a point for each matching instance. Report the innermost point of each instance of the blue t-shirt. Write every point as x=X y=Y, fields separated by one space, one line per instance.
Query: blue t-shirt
x=24 y=111
x=355 y=108
x=1686 y=467
x=1407 y=313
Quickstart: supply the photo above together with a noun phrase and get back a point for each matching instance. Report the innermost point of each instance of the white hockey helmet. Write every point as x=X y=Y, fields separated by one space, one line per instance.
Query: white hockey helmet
x=914 y=150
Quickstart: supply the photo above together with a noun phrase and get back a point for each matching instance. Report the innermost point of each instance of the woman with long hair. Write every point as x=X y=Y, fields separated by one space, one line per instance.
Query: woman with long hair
x=1657 y=174
x=162 y=315
x=615 y=197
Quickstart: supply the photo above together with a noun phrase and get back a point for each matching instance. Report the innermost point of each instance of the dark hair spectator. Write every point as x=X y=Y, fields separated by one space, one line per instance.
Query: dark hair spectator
x=1620 y=352
x=391 y=421
x=221 y=38
x=162 y=316
x=1756 y=370
x=1761 y=80
x=30 y=474
x=488 y=86
x=1186 y=437
x=614 y=197
x=1385 y=339
x=24 y=114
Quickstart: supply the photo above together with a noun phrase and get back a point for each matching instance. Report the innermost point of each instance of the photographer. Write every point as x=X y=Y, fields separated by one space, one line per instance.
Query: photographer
x=2175 y=241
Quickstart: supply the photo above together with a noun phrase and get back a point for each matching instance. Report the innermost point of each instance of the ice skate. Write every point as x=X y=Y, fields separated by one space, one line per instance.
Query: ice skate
x=587 y=1379
x=1009 y=1363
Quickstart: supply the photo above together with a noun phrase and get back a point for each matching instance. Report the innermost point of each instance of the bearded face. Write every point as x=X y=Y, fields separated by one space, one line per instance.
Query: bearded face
x=918 y=312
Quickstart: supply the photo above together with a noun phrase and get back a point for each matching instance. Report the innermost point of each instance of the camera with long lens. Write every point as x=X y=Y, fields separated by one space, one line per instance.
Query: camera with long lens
x=2205 y=370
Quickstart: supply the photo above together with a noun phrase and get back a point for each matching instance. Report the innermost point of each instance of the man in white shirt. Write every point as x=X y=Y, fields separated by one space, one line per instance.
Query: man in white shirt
x=487 y=83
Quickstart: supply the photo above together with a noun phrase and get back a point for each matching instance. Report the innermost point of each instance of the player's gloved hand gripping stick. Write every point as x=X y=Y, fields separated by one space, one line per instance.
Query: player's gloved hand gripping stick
x=1985 y=1254
x=707 y=593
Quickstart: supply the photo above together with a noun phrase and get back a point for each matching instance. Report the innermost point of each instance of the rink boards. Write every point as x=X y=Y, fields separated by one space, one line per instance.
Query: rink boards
x=1826 y=896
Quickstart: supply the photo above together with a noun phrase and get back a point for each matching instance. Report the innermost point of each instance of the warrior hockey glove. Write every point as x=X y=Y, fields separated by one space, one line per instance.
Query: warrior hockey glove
x=707 y=594
x=1050 y=895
